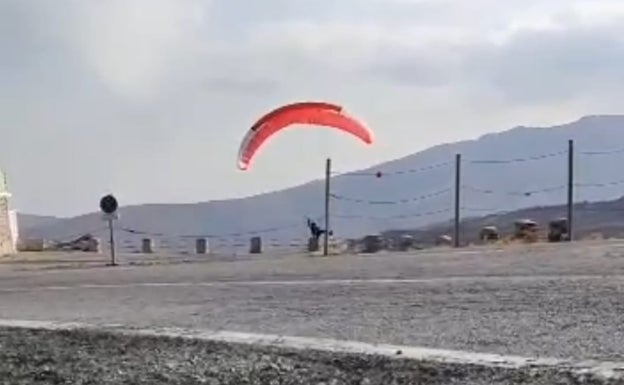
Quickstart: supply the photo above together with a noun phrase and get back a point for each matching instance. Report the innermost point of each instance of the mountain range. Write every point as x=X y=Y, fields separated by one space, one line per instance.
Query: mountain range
x=519 y=168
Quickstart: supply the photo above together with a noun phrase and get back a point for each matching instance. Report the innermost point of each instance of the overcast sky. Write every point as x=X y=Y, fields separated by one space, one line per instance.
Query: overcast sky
x=150 y=98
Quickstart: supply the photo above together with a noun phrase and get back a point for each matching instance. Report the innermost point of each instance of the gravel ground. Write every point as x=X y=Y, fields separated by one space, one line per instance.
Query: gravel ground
x=37 y=357
x=567 y=318
x=563 y=301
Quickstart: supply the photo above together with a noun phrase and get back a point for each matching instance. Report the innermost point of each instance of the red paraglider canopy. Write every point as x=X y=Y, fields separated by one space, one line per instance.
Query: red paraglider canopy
x=312 y=113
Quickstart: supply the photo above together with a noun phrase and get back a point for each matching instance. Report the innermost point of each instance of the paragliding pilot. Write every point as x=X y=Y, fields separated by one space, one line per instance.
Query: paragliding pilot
x=315 y=230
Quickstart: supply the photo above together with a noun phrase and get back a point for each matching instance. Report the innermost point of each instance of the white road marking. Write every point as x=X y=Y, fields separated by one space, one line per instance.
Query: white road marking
x=604 y=369
x=310 y=282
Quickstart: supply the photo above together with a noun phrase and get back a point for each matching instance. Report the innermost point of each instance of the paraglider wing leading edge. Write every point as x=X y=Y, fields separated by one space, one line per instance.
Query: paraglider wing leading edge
x=310 y=113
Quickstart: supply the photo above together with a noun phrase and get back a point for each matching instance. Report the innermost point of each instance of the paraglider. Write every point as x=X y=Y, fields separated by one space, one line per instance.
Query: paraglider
x=316 y=231
x=309 y=113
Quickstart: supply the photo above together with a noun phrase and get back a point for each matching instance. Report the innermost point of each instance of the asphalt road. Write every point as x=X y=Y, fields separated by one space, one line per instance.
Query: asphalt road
x=564 y=301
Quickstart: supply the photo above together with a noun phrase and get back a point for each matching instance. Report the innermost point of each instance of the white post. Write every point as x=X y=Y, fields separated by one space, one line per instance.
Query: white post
x=7 y=245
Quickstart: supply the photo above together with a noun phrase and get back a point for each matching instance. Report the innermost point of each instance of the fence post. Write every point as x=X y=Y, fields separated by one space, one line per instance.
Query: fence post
x=147 y=246
x=255 y=246
x=570 y=189
x=201 y=246
x=327 y=199
x=456 y=242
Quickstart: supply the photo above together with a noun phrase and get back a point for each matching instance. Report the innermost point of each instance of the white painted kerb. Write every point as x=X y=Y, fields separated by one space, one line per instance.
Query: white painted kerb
x=609 y=370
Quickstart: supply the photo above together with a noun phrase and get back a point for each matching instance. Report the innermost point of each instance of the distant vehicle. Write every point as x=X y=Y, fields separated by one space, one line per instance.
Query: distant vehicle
x=526 y=230
x=489 y=234
x=372 y=244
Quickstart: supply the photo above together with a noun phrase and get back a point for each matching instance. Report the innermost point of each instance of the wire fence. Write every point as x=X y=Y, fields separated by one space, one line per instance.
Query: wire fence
x=428 y=198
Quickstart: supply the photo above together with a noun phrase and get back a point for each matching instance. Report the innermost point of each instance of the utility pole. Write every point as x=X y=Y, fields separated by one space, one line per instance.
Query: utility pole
x=570 y=188
x=327 y=198
x=457 y=198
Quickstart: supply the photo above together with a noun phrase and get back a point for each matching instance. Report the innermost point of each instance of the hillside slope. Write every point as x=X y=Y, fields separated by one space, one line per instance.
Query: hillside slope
x=410 y=186
x=29 y=221
x=590 y=219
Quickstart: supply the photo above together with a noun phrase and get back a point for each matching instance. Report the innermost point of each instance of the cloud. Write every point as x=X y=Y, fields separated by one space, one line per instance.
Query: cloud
x=536 y=67
x=149 y=98
x=132 y=46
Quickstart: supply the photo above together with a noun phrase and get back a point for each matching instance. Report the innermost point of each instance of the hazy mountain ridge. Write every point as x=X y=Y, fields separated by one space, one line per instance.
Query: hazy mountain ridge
x=403 y=192
x=30 y=221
